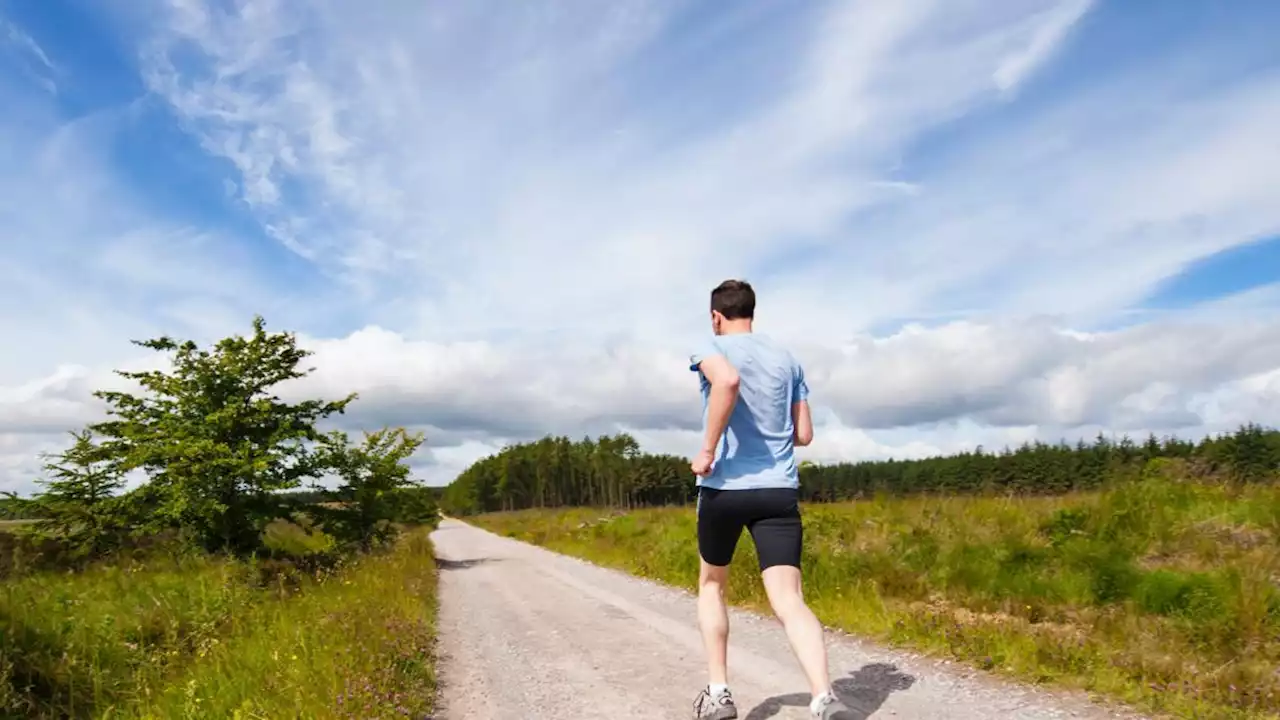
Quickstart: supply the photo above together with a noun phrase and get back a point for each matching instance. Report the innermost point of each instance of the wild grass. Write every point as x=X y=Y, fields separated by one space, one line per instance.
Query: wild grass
x=357 y=645
x=1160 y=593
x=76 y=643
x=194 y=636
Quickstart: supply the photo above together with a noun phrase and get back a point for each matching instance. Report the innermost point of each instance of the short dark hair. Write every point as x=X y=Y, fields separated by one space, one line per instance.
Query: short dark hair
x=734 y=299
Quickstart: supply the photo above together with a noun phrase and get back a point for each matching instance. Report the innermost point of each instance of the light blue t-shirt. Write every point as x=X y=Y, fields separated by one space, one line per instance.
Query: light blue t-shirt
x=757 y=449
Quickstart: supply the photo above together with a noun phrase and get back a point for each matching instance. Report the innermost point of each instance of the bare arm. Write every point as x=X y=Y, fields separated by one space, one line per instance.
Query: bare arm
x=801 y=419
x=720 y=401
x=803 y=422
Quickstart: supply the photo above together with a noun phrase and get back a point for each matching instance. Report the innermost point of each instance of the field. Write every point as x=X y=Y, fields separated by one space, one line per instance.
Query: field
x=191 y=635
x=1161 y=593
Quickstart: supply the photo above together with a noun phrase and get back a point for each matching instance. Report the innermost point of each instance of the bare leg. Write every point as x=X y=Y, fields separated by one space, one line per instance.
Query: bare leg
x=713 y=620
x=782 y=584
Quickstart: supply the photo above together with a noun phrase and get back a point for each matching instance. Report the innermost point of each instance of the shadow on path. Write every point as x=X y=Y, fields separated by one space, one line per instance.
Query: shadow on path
x=446 y=564
x=864 y=691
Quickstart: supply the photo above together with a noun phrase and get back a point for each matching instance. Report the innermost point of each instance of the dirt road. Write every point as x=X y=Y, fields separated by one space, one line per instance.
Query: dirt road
x=527 y=633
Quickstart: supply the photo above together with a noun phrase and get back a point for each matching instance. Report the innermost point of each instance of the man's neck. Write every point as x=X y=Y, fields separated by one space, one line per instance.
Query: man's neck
x=735 y=327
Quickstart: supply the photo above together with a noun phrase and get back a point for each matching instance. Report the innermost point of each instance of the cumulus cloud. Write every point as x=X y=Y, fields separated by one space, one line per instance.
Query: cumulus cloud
x=49 y=405
x=918 y=392
x=1035 y=373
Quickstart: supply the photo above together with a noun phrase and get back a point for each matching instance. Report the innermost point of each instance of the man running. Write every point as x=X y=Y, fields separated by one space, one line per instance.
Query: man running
x=755 y=412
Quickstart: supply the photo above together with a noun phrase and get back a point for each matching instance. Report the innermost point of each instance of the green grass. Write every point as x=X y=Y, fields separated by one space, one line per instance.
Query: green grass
x=195 y=636
x=1163 y=594
x=75 y=643
x=357 y=645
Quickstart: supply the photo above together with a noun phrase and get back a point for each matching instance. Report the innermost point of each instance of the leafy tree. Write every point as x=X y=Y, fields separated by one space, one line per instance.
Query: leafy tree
x=214 y=440
x=415 y=506
x=373 y=474
x=78 y=505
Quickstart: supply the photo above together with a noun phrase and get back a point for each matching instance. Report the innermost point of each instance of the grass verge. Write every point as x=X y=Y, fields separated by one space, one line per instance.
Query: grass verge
x=199 y=637
x=1163 y=594
x=71 y=644
x=358 y=645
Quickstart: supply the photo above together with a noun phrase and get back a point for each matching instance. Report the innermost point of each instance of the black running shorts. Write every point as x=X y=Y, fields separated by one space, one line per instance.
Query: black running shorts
x=771 y=515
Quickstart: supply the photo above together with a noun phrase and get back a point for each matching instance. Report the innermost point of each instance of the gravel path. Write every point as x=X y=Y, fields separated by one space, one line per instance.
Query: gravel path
x=528 y=633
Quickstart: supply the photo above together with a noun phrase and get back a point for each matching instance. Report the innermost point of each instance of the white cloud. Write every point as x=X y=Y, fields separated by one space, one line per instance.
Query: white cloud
x=49 y=405
x=919 y=392
x=427 y=155
x=20 y=459
x=1034 y=373
x=521 y=211
x=1050 y=29
x=1255 y=398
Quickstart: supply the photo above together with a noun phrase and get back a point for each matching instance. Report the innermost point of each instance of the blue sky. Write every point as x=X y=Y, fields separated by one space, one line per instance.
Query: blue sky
x=1231 y=271
x=982 y=222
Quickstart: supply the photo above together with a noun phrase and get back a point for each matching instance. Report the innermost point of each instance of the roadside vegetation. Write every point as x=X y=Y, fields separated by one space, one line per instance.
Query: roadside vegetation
x=252 y=566
x=1159 y=586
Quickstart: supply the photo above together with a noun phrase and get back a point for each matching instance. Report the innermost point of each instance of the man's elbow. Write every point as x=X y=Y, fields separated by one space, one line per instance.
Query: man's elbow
x=804 y=437
x=728 y=381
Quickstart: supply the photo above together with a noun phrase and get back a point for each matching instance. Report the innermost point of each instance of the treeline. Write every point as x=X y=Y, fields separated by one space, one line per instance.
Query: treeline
x=222 y=457
x=612 y=471
x=558 y=472
x=1250 y=454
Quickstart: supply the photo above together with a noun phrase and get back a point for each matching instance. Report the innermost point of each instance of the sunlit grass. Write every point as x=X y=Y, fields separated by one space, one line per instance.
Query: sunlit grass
x=358 y=645
x=195 y=636
x=1161 y=593
x=75 y=643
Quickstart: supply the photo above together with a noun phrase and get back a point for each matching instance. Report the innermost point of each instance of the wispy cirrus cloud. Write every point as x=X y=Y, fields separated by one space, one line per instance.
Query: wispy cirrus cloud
x=1051 y=28
x=30 y=57
x=437 y=143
